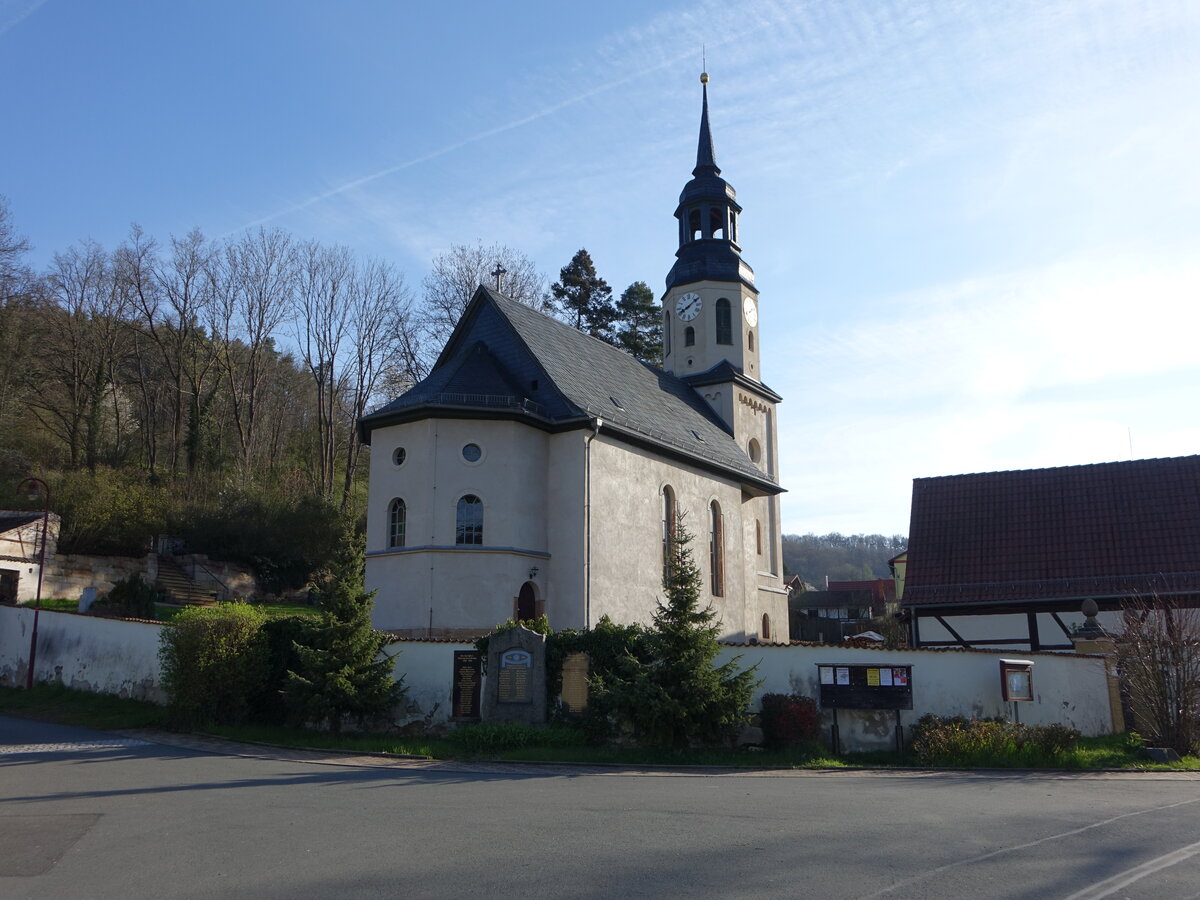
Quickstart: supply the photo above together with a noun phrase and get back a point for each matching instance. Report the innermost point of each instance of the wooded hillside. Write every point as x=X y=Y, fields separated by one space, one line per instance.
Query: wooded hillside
x=839 y=557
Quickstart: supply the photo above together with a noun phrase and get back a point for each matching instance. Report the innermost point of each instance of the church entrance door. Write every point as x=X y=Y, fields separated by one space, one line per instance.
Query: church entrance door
x=526 y=603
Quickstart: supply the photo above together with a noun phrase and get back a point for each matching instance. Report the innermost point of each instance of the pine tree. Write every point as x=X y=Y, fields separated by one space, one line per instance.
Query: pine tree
x=686 y=697
x=341 y=672
x=639 y=330
x=584 y=297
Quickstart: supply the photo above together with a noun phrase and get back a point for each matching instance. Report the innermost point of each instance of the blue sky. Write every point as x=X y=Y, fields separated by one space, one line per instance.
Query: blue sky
x=975 y=226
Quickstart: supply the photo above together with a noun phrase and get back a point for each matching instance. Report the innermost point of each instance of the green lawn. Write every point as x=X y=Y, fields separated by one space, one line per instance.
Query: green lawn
x=54 y=703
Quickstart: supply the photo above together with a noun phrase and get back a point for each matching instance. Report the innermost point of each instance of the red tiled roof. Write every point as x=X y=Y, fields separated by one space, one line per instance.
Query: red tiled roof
x=1105 y=530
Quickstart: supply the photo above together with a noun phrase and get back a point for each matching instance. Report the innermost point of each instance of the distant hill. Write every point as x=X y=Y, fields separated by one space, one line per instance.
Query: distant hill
x=840 y=557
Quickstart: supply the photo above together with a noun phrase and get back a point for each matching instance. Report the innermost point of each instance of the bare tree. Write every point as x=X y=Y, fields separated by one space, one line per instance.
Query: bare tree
x=322 y=324
x=253 y=286
x=16 y=318
x=455 y=274
x=85 y=332
x=1158 y=654
x=381 y=324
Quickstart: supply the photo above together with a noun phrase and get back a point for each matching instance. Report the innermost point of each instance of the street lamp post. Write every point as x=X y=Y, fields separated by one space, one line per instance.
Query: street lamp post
x=37 y=486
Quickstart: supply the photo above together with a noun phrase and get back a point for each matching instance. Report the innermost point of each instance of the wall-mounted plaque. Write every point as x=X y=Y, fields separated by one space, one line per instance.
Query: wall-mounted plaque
x=515 y=685
x=467 y=681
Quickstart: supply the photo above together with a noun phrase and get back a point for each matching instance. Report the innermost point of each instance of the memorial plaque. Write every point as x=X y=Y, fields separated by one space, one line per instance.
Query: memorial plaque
x=514 y=682
x=574 y=682
x=467 y=682
x=514 y=688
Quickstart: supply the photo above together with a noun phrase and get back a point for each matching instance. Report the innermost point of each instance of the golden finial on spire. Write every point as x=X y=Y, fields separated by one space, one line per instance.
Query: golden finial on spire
x=704 y=78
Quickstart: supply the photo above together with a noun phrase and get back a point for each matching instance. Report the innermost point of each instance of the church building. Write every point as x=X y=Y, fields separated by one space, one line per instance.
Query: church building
x=538 y=470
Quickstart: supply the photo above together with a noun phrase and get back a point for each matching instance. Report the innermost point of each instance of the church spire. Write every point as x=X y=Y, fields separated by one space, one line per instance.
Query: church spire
x=706 y=156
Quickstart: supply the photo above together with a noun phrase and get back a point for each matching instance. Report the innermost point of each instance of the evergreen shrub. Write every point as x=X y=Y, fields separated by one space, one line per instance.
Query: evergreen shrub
x=131 y=597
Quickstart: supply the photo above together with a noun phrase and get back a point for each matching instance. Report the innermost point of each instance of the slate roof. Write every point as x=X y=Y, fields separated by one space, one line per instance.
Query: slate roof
x=1109 y=530
x=506 y=359
x=11 y=520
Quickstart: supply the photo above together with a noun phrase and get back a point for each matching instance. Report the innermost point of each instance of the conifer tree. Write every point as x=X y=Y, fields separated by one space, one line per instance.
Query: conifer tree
x=685 y=697
x=639 y=330
x=584 y=297
x=340 y=670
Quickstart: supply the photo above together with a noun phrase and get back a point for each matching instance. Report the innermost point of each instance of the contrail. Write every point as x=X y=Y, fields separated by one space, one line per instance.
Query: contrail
x=450 y=148
x=12 y=15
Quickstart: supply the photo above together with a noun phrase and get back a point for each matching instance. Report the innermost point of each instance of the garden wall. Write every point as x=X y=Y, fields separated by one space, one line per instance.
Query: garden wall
x=108 y=656
x=1068 y=688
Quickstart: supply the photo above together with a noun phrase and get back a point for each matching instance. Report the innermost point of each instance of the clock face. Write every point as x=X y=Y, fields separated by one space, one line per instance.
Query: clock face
x=751 y=311
x=688 y=306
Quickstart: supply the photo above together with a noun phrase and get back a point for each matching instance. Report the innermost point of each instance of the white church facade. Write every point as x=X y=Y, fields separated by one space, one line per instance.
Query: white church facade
x=537 y=470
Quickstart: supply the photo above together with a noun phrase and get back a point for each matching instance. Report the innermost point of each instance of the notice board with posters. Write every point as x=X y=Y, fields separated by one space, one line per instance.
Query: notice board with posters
x=865 y=687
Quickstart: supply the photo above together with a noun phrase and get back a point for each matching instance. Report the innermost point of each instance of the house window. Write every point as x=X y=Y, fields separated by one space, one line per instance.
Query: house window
x=469 y=521
x=668 y=530
x=472 y=453
x=766 y=627
x=689 y=337
x=666 y=334
x=397 y=516
x=758 y=536
x=750 y=340
x=398 y=456
x=724 y=313
x=716 y=549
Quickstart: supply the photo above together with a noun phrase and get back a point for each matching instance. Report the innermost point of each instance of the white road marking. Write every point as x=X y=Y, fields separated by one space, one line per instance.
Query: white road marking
x=13 y=749
x=1053 y=837
x=1123 y=879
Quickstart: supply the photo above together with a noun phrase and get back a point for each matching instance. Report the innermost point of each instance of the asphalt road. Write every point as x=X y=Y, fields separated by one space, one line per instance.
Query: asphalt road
x=85 y=814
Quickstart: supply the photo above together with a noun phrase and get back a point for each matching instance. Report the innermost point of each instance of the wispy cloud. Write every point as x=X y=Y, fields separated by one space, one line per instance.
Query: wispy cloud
x=13 y=12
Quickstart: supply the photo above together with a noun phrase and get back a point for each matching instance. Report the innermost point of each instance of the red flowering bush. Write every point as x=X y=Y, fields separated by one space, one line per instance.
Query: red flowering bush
x=789 y=719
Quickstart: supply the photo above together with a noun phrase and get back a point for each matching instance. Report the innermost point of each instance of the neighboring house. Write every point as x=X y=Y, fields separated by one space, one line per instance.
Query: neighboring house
x=898 y=564
x=538 y=470
x=853 y=603
x=1005 y=559
x=20 y=546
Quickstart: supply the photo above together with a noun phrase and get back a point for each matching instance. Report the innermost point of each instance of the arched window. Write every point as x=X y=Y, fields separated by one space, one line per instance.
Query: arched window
x=750 y=340
x=694 y=224
x=397 y=516
x=766 y=627
x=716 y=222
x=668 y=530
x=689 y=336
x=666 y=334
x=724 y=315
x=469 y=521
x=758 y=536
x=716 y=549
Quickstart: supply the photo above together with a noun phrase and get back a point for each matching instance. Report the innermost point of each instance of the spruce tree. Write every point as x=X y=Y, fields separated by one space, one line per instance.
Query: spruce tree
x=685 y=698
x=340 y=671
x=584 y=297
x=639 y=329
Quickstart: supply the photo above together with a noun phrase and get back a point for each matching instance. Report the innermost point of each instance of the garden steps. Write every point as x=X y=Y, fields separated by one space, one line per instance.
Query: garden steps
x=178 y=587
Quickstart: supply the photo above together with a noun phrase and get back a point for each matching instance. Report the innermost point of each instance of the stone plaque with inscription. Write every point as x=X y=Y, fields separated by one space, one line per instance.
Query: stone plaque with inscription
x=514 y=683
x=574 y=682
x=467 y=682
x=515 y=686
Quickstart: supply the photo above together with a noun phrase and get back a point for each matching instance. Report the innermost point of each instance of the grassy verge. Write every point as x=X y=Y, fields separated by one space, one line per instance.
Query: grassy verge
x=54 y=703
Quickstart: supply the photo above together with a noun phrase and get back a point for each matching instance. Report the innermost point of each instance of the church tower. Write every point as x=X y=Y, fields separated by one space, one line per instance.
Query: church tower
x=711 y=308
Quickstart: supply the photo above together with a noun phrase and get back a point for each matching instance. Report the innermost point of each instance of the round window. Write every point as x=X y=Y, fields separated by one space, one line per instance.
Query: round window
x=472 y=453
x=755 y=450
x=398 y=456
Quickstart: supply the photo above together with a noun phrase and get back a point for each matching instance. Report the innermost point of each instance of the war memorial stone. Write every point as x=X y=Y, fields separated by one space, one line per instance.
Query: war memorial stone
x=515 y=689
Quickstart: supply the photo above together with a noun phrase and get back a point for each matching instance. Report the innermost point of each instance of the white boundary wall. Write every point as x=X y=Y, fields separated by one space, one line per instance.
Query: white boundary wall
x=107 y=656
x=1068 y=689
x=119 y=657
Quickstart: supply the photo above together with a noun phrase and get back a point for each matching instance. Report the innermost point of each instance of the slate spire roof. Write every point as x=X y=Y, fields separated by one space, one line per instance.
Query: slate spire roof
x=706 y=156
x=505 y=360
x=1108 y=530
